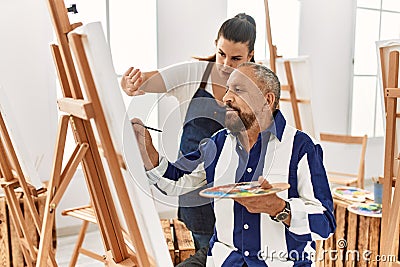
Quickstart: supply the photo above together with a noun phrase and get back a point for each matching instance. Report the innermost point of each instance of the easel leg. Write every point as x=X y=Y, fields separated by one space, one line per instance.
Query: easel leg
x=79 y=243
x=48 y=220
x=20 y=226
x=393 y=225
x=293 y=97
x=14 y=163
x=12 y=177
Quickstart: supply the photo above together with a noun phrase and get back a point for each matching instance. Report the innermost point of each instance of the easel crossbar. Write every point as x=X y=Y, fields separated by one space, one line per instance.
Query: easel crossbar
x=76 y=107
x=392 y=92
x=69 y=171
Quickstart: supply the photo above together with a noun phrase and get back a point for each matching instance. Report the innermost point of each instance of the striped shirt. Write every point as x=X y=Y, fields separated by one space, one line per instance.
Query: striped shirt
x=281 y=154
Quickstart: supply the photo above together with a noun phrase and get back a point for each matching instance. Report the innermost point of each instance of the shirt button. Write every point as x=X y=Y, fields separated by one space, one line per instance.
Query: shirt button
x=240 y=147
x=246 y=226
x=246 y=253
x=249 y=169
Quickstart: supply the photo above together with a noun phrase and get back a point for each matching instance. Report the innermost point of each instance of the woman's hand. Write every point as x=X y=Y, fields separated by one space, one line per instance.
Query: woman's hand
x=131 y=82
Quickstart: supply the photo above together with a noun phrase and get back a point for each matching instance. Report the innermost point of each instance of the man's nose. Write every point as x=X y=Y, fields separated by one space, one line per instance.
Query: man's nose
x=227 y=97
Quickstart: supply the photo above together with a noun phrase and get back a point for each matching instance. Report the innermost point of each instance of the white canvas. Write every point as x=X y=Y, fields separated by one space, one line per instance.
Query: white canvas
x=100 y=60
x=302 y=81
x=21 y=150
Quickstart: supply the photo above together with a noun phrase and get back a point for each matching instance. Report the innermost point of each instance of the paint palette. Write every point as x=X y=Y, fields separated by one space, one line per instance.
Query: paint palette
x=366 y=209
x=239 y=190
x=352 y=193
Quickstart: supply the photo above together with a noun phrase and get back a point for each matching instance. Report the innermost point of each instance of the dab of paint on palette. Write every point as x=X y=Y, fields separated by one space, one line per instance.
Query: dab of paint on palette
x=366 y=209
x=352 y=193
x=245 y=189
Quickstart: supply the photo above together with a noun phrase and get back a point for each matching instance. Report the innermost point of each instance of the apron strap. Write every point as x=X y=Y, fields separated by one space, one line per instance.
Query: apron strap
x=206 y=75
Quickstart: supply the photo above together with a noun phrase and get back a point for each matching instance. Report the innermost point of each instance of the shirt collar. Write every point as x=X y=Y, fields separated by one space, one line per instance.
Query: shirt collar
x=276 y=128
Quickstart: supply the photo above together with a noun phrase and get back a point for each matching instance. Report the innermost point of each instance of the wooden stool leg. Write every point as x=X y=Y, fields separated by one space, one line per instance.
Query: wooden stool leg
x=79 y=242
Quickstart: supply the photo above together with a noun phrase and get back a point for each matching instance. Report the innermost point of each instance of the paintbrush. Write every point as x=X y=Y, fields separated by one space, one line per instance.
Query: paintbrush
x=147 y=127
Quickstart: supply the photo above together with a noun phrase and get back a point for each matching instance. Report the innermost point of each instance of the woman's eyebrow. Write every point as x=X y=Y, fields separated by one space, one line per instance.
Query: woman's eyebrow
x=238 y=56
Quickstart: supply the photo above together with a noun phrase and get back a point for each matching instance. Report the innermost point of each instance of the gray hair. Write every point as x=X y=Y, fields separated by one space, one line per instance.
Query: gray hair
x=266 y=79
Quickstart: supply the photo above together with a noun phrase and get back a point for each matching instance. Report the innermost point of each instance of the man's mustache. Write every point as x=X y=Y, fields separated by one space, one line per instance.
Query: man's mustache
x=229 y=105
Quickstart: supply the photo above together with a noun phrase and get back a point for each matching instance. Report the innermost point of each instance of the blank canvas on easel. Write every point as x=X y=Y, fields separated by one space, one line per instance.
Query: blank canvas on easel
x=302 y=81
x=300 y=69
x=124 y=141
x=22 y=151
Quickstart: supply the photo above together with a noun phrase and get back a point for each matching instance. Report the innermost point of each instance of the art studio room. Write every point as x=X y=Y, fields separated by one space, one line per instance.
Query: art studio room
x=199 y=133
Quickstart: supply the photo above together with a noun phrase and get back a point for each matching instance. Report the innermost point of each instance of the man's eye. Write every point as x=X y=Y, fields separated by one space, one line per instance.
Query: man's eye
x=221 y=54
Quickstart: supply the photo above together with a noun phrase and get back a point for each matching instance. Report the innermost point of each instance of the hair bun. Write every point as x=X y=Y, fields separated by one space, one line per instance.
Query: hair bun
x=244 y=16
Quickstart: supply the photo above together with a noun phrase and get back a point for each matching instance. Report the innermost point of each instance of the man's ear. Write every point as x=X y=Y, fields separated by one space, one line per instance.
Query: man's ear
x=270 y=100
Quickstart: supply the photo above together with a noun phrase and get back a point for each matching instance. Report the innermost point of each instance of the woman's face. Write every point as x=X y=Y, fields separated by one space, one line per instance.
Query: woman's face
x=230 y=55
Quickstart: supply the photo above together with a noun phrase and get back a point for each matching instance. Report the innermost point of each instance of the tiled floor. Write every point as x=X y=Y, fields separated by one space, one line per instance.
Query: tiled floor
x=66 y=244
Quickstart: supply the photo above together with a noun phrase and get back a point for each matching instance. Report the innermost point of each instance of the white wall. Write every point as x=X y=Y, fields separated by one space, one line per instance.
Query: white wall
x=187 y=28
x=326 y=35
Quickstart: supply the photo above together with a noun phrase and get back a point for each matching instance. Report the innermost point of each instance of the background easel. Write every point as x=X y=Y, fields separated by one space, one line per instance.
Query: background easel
x=81 y=108
x=287 y=72
x=390 y=202
x=12 y=179
x=297 y=94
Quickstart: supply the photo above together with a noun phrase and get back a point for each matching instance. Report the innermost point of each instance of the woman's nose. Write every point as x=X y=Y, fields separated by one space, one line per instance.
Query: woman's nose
x=227 y=62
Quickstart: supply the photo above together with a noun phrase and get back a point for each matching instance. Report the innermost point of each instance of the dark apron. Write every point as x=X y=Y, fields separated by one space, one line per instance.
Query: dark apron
x=203 y=118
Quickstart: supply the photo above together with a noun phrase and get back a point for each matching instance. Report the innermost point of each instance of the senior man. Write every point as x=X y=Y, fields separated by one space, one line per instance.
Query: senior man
x=257 y=144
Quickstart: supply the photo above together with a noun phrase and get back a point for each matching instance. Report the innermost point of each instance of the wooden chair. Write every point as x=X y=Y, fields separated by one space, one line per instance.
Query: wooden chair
x=343 y=178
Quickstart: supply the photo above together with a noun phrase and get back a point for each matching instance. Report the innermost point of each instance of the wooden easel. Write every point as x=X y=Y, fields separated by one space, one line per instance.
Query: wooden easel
x=390 y=208
x=12 y=177
x=272 y=48
x=81 y=110
x=290 y=87
x=385 y=80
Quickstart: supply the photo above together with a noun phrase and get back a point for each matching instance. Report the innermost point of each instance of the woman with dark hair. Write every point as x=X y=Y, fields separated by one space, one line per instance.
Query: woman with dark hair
x=199 y=87
x=237 y=31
